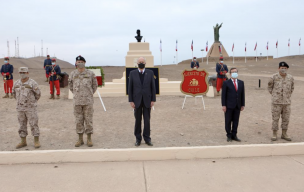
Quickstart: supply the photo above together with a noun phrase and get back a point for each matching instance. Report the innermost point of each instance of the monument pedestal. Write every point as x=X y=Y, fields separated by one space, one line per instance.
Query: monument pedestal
x=215 y=52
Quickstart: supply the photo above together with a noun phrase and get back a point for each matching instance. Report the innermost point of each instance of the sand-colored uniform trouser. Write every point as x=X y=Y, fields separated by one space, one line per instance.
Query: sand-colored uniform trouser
x=277 y=110
x=84 y=115
x=31 y=117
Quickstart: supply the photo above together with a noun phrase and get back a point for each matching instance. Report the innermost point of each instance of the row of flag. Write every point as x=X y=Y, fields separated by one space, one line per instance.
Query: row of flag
x=220 y=46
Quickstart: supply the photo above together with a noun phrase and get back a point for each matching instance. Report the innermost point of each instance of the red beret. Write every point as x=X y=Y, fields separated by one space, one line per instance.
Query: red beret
x=6 y=58
x=221 y=58
x=194 y=57
x=53 y=59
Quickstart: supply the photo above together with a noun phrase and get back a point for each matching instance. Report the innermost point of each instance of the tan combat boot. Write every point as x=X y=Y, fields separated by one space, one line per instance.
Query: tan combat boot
x=89 y=142
x=52 y=96
x=36 y=142
x=80 y=140
x=22 y=143
x=11 y=96
x=274 y=136
x=5 y=96
x=58 y=97
x=284 y=135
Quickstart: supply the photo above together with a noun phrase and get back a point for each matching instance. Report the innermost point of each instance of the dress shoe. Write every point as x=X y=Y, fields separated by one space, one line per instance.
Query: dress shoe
x=149 y=143
x=236 y=139
x=229 y=139
x=137 y=143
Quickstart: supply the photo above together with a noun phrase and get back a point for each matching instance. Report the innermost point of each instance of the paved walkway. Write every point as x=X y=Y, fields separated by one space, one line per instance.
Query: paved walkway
x=267 y=174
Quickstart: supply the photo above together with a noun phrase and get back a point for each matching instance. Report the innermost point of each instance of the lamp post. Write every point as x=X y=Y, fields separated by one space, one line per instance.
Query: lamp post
x=202 y=50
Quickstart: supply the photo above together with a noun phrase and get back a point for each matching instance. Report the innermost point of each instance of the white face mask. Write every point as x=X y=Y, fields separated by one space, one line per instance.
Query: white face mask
x=23 y=76
x=5 y=61
x=222 y=61
x=234 y=75
x=283 y=71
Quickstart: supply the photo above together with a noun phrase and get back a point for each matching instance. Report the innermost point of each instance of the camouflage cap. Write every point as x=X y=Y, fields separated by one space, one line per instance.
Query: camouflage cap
x=23 y=70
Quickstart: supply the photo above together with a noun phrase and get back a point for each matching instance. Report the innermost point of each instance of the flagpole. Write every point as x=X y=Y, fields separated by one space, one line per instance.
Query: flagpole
x=192 y=55
x=233 y=55
x=267 y=53
x=176 y=58
x=278 y=50
x=256 y=55
x=202 y=56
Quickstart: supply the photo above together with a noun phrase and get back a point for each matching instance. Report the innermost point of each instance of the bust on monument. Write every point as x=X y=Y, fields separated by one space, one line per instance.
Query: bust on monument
x=217 y=32
x=138 y=37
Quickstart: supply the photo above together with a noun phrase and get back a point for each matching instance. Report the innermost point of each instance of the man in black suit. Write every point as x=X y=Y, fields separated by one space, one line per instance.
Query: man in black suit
x=142 y=95
x=233 y=102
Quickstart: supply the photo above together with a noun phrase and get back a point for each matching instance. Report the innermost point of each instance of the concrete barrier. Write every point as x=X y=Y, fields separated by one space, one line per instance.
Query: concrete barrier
x=149 y=154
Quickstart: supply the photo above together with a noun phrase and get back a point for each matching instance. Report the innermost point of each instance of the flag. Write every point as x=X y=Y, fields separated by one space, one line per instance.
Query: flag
x=245 y=47
x=232 y=47
x=277 y=43
x=300 y=42
x=288 y=42
x=160 y=46
x=256 y=44
x=267 y=45
x=192 y=45
x=206 y=46
x=176 y=46
x=220 y=48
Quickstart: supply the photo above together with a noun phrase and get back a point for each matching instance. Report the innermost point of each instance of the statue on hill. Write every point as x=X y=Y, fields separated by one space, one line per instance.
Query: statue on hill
x=138 y=37
x=217 y=32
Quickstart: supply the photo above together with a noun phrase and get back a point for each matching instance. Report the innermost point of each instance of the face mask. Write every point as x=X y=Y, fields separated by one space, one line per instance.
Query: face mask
x=222 y=61
x=53 y=63
x=141 y=65
x=194 y=59
x=80 y=65
x=283 y=71
x=234 y=75
x=5 y=61
x=23 y=76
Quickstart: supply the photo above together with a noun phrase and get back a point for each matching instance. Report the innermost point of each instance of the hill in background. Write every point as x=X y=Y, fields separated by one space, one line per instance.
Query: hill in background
x=35 y=63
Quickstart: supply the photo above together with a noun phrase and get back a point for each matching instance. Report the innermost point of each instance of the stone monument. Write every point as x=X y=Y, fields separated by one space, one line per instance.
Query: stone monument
x=214 y=50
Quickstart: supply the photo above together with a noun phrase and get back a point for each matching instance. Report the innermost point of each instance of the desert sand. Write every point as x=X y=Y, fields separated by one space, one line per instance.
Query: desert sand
x=170 y=125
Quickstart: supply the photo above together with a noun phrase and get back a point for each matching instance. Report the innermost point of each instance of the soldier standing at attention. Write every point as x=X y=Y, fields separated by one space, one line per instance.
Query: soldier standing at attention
x=47 y=64
x=221 y=70
x=27 y=93
x=83 y=84
x=7 y=74
x=281 y=86
x=53 y=71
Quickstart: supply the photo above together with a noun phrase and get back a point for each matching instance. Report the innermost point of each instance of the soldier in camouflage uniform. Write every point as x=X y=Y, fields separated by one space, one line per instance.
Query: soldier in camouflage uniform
x=281 y=86
x=83 y=84
x=27 y=93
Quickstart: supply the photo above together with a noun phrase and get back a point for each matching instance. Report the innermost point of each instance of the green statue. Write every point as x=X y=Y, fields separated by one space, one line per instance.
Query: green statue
x=217 y=32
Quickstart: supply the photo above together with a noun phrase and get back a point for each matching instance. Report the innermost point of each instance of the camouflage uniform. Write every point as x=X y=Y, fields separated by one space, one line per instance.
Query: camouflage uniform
x=281 y=89
x=27 y=94
x=83 y=85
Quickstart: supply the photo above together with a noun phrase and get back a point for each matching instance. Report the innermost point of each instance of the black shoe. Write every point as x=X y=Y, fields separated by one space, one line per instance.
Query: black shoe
x=229 y=139
x=149 y=143
x=137 y=143
x=236 y=139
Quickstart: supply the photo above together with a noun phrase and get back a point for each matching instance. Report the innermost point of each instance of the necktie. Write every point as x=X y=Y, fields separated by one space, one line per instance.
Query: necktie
x=234 y=84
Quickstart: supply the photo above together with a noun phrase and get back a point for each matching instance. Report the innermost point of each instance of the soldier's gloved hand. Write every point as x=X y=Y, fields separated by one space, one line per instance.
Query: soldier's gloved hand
x=7 y=74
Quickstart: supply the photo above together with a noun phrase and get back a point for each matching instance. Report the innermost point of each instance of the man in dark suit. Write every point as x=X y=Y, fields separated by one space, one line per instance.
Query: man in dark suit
x=233 y=102
x=142 y=95
x=194 y=64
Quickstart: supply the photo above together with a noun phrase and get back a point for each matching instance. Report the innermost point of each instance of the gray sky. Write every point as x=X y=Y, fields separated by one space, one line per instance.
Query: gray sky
x=101 y=30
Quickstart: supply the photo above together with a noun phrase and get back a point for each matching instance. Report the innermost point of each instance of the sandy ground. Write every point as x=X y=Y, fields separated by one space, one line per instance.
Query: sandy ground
x=170 y=125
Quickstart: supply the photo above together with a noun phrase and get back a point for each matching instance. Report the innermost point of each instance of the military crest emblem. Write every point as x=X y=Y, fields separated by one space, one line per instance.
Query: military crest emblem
x=195 y=82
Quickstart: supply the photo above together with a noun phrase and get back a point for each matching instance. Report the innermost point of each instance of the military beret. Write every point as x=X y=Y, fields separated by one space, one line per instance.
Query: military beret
x=6 y=58
x=194 y=57
x=283 y=64
x=48 y=56
x=53 y=59
x=221 y=58
x=23 y=69
x=80 y=58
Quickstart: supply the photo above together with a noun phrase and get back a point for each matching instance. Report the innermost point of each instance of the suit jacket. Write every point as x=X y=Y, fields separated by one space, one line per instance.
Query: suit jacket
x=192 y=64
x=232 y=98
x=138 y=91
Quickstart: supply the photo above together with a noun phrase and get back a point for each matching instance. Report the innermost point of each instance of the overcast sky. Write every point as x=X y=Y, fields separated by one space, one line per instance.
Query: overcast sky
x=102 y=30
